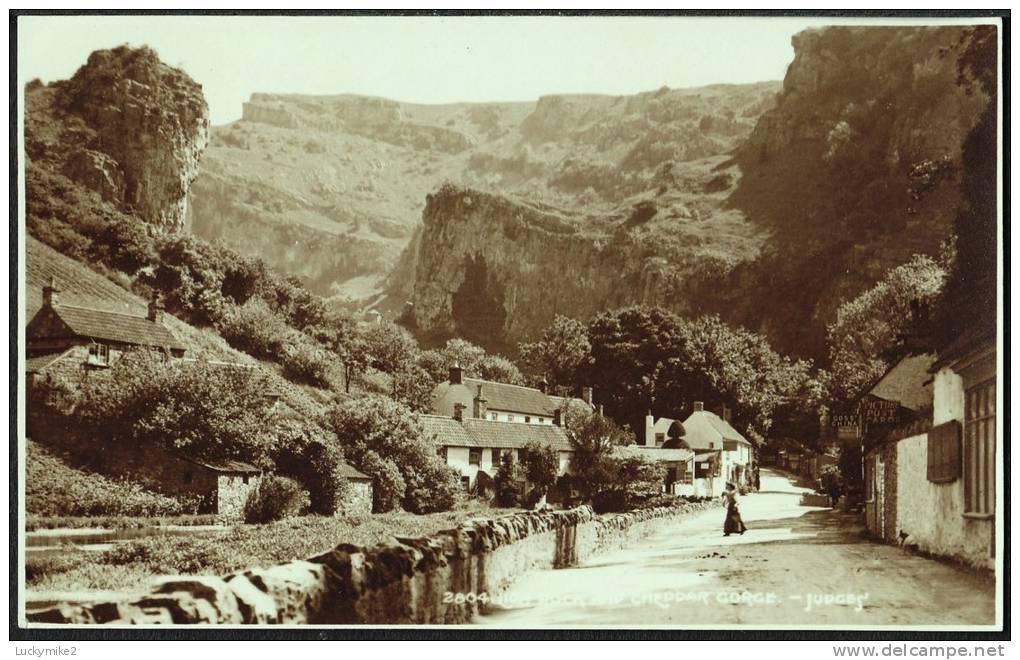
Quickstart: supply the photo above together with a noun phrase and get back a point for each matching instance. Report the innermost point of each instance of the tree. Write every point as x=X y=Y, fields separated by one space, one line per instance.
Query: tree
x=873 y=330
x=374 y=430
x=413 y=387
x=499 y=369
x=310 y=454
x=200 y=409
x=968 y=303
x=594 y=437
x=560 y=352
x=541 y=467
x=509 y=482
x=390 y=348
x=338 y=331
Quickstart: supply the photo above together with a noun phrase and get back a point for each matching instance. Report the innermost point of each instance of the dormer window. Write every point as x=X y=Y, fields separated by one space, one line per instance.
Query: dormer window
x=99 y=355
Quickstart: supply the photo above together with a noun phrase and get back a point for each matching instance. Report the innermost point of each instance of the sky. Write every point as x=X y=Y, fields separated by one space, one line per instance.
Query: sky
x=423 y=59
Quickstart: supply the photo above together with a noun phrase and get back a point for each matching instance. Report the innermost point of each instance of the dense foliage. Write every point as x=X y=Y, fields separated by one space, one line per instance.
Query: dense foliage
x=275 y=498
x=54 y=488
x=381 y=438
x=875 y=329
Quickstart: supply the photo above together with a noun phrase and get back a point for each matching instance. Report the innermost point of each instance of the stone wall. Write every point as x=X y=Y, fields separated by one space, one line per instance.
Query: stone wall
x=408 y=581
x=232 y=491
x=358 y=498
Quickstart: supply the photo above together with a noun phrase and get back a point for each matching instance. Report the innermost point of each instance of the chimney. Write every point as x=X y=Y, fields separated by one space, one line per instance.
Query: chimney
x=649 y=430
x=49 y=293
x=726 y=413
x=458 y=411
x=155 y=309
x=543 y=386
x=586 y=393
x=699 y=406
x=456 y=374
x=479 y=404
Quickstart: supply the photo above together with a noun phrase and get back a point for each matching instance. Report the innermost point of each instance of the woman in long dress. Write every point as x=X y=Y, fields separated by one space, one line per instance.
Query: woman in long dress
x=734 y=524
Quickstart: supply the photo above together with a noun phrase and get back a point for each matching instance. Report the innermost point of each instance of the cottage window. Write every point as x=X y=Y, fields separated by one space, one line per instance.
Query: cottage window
x=659 y=439
x=442 y=452
x=494 y=417
x=475 y=456
x=979 y=450
x=496 y=457
x=944 y=452
x=99 y=354
x=509 y=418
x=465 y=483
x=527 y=420
x=245 y=479
x=541 y=420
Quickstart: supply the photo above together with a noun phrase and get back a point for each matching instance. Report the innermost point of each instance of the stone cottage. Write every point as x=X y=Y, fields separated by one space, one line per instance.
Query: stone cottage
x=68 y=339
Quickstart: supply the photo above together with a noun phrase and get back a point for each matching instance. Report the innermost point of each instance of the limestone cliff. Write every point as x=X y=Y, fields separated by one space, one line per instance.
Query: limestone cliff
x=127 y=126
x=331 y=188
x=855 y=168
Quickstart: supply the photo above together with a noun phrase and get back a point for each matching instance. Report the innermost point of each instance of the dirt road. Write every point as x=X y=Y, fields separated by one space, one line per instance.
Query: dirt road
x=796 y=566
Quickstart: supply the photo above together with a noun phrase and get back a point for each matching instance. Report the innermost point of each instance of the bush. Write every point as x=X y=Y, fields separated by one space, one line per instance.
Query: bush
x=254 y=329
x=388 y=485
x=304 y=362
x=510 y=483
x=276 y=498
x=309 y=454
x=378 y=425
x=54 y=488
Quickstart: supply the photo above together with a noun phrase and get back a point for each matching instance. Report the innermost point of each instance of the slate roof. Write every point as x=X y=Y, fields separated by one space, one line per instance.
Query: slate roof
x=509 y=435
x=718 y=424
x=350 y=473
x=445 y=431
x=37 y=363
x=116 y=326
x=512 y=398
x=907 y=382
x=226 y=465
x=448 y=432
x=654 y=453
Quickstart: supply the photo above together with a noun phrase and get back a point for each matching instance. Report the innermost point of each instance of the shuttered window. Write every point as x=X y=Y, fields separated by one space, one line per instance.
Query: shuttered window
x=979 y=449
x=944 y=452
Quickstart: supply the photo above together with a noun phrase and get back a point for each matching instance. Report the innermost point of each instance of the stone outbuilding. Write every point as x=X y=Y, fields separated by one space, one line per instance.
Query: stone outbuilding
x=358 y=499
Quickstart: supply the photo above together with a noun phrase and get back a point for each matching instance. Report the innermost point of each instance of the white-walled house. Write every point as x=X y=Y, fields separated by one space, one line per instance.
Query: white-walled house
x=708 y=432
x=472 y=446
x=930 y=473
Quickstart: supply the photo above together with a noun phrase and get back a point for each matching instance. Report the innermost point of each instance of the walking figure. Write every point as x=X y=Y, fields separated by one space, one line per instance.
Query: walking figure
x=734 y=524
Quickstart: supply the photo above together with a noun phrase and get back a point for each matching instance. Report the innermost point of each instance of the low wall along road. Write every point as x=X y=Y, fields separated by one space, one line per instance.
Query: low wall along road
x=445 y=578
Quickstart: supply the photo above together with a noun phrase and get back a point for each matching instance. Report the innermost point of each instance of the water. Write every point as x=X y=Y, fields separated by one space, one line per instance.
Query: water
x=49 y=542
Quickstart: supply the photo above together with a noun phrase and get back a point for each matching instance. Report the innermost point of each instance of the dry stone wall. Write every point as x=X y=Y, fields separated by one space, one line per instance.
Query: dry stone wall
x=408 y=581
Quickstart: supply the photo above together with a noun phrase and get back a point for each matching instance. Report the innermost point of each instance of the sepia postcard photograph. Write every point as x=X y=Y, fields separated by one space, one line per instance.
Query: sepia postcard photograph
x=455 y=323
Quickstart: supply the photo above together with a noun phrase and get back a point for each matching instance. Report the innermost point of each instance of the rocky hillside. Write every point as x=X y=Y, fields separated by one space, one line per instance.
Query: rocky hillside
x=126 y=126
x=856 y=168
x=332 y=189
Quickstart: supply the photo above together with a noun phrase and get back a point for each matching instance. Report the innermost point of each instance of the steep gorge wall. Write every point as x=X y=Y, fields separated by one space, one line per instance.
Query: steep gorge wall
x=431 y=580
x=856 y=168
x=495 y=271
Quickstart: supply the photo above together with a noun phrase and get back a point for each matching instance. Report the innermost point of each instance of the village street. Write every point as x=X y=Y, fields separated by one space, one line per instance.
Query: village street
x=795 y=566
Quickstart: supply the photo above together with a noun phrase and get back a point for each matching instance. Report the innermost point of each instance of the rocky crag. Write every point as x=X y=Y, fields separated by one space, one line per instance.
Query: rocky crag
x=126 y=126
x=855 y=168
